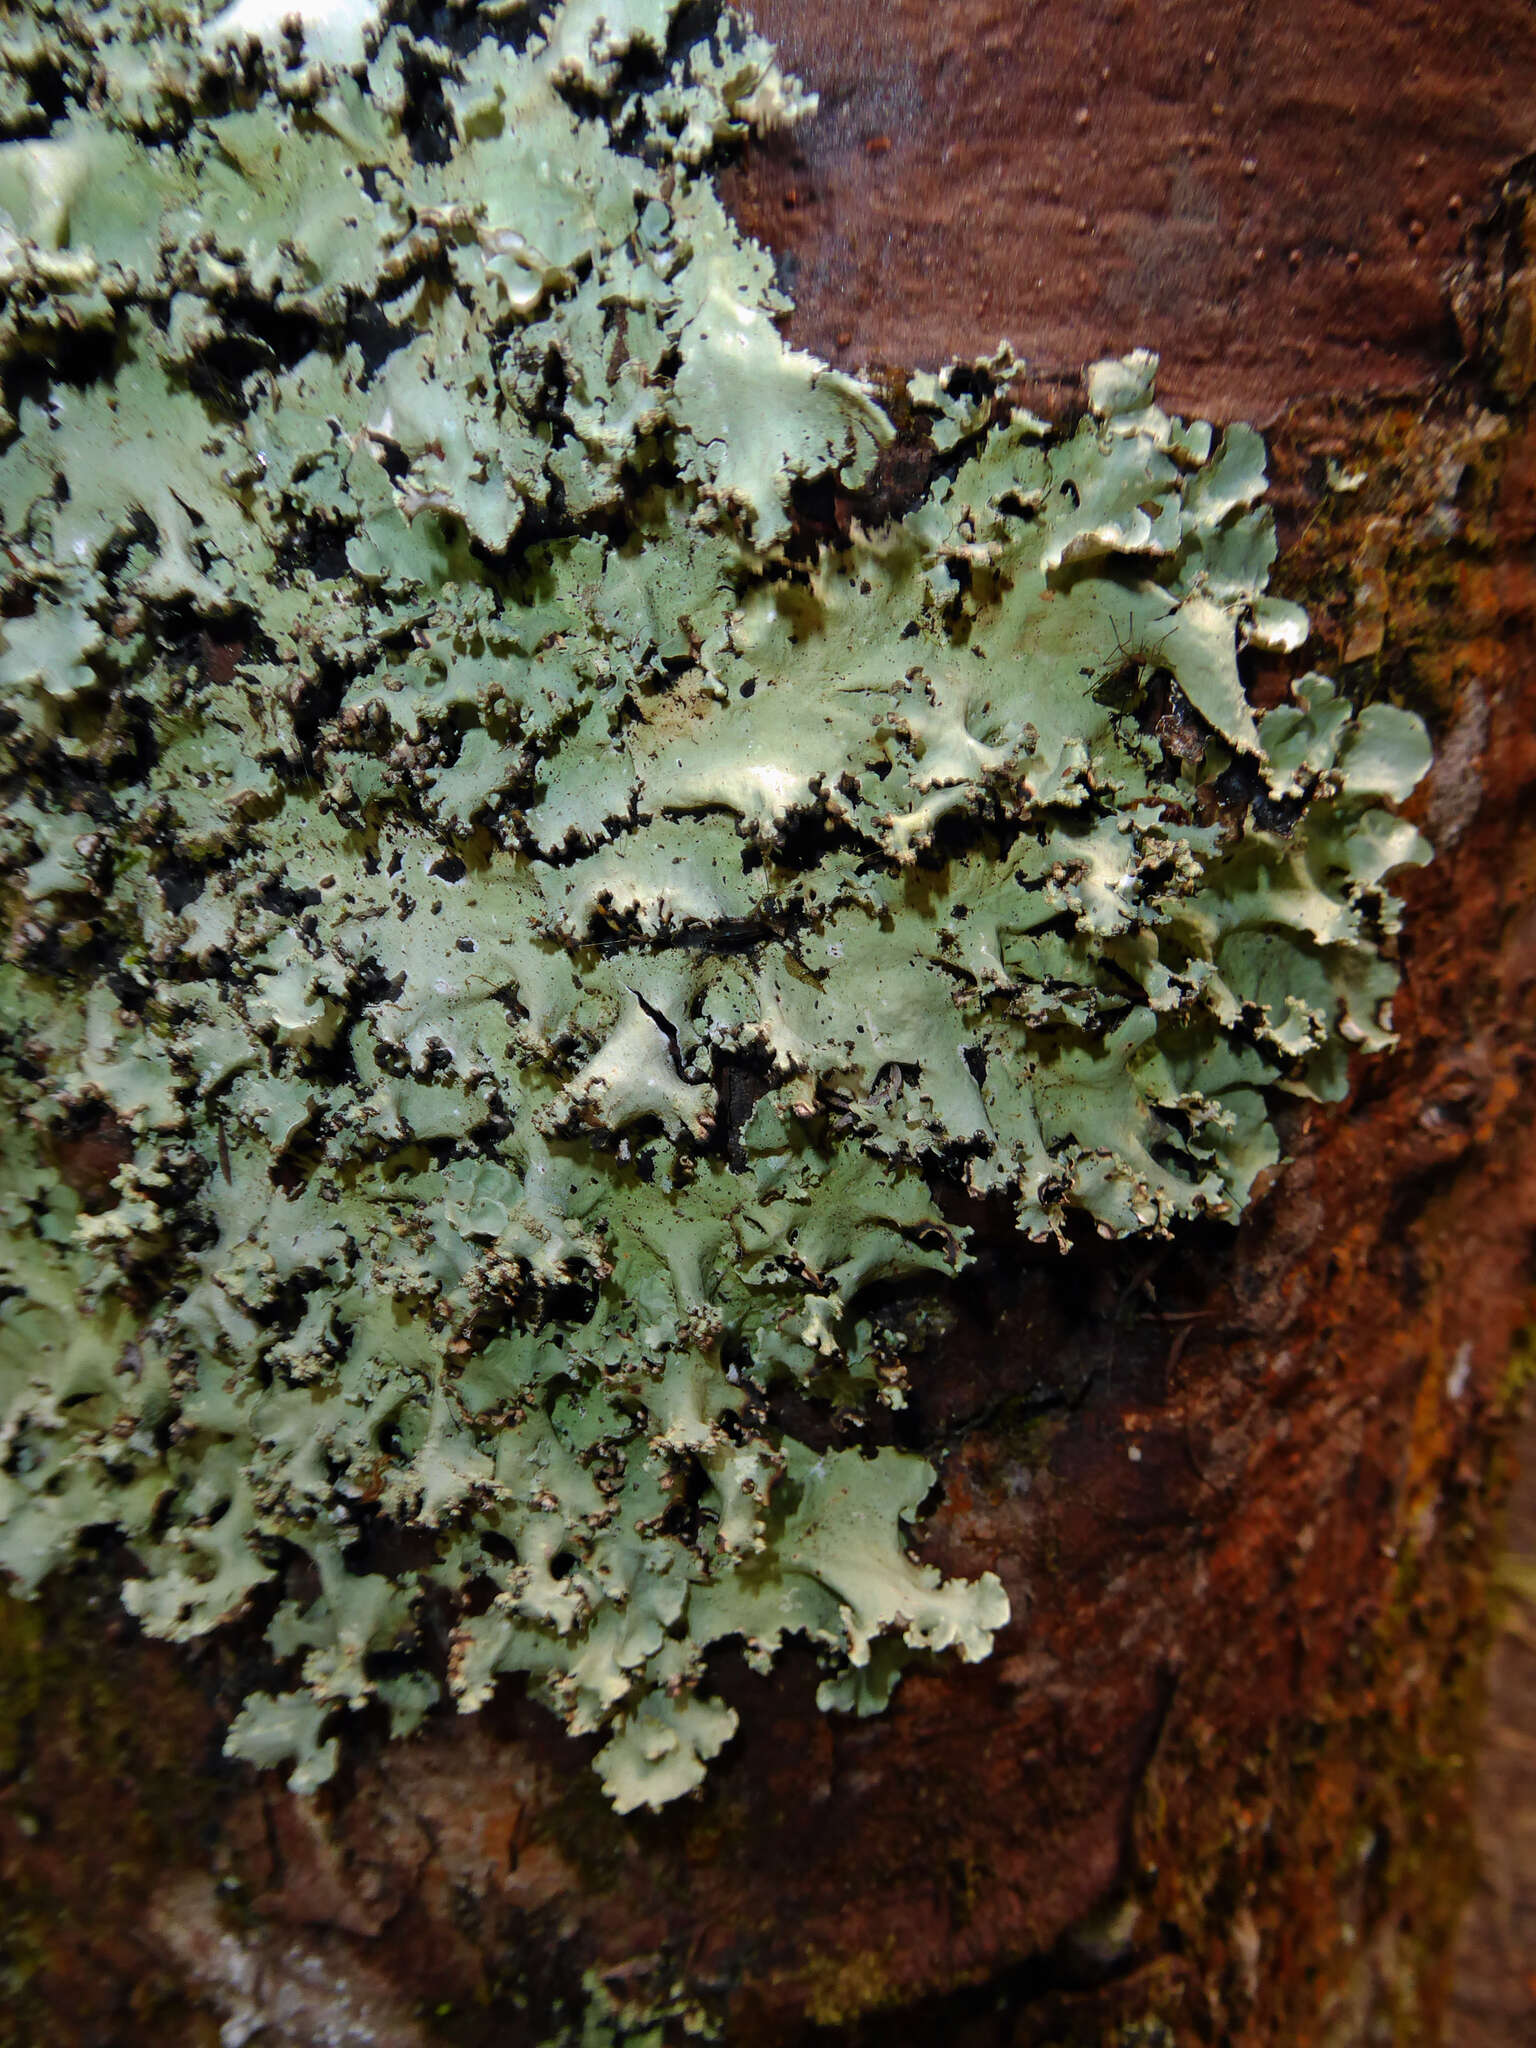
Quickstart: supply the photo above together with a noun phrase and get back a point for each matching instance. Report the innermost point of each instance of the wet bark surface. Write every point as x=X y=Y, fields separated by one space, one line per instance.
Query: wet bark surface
x=1242 y=1485
x=1268 y=193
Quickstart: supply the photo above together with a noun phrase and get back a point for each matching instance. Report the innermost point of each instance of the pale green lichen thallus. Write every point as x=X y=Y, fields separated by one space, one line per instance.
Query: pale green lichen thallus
x=525 y=928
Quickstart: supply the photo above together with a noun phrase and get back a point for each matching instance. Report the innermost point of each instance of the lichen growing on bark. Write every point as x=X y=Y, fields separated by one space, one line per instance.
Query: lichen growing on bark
x=530 y=933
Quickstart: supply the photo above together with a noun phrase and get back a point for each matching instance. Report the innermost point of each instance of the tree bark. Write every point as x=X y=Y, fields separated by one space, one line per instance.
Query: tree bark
x=1241 y=1485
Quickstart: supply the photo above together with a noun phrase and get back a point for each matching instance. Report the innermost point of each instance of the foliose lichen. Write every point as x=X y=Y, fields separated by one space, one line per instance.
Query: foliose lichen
x=528 y=932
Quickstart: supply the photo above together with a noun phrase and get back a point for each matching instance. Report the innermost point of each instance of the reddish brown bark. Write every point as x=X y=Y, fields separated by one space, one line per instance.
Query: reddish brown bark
x=1268 y=193
x=1239 y=1484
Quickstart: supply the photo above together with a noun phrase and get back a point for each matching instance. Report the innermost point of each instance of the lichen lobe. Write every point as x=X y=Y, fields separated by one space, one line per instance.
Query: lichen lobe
x=535 y=933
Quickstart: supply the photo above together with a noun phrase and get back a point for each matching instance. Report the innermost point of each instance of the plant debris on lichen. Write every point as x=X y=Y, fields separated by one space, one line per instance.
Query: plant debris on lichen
x=505 y=933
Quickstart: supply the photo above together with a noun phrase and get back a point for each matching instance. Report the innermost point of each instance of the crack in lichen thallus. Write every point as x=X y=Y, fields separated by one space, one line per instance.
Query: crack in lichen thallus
x=518 y=938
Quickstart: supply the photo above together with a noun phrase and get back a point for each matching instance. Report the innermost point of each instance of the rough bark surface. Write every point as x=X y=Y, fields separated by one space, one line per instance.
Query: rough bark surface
x=1494 y=1997
x=1212 y=1786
